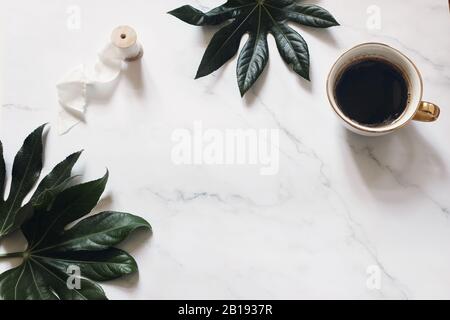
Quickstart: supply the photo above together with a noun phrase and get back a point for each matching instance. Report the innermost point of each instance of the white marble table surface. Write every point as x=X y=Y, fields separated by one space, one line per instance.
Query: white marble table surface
x=341 y=208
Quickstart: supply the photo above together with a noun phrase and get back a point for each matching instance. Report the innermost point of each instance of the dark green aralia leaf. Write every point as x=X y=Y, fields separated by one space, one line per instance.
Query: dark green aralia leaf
x=312 y=16
x=216 y=16
x=26 y=171
x=223 y=46
x=97 y=232
x=26 y=168
x=100 y=266
x=252 y=60
x=58 y=178
x=44 y=200
x=293 y=48
x=55 y=182
x=68 y=206
x=254 y=15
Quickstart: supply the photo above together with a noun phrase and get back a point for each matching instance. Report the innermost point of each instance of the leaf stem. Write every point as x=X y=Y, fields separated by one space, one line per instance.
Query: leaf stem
x=12 y=255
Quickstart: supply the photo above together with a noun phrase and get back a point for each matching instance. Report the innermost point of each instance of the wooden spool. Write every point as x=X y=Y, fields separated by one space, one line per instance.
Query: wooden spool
x=125 y=38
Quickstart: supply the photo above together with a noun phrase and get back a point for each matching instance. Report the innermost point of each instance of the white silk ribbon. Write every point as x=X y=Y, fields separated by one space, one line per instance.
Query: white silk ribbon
x=73 y=88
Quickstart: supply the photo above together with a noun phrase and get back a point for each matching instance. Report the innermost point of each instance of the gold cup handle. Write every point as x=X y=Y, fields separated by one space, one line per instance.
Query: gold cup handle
x=427 y=112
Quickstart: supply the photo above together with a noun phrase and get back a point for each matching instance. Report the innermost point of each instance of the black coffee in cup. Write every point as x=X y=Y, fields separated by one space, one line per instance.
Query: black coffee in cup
x=372 y=92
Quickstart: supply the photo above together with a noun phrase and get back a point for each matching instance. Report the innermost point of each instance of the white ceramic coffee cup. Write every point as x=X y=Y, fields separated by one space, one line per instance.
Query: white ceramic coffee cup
x=416 y=109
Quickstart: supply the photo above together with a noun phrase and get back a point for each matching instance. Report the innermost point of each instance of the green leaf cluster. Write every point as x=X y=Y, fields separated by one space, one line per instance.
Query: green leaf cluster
x=67 y=253
x=257 y=18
